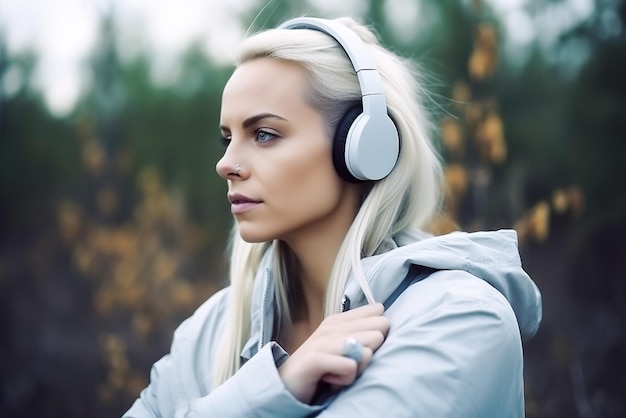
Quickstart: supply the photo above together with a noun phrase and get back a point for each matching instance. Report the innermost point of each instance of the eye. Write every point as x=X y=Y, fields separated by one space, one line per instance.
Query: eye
x=263 y=136
x=225 y=140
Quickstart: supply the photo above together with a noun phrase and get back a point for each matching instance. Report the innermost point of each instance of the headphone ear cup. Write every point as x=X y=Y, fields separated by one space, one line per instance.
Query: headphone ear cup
x=339 y=144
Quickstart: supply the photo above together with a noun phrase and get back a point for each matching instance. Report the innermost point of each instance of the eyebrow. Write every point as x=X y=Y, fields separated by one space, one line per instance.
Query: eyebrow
x=254 y=119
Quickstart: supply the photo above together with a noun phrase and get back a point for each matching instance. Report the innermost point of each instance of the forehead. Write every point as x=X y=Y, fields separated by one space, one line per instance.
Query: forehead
x=264 y=82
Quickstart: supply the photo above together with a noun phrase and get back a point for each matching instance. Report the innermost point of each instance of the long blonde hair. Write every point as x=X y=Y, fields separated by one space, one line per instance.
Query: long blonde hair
x=407 y=198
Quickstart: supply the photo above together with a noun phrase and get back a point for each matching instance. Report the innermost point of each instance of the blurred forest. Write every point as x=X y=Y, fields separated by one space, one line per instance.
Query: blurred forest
x=113 y=221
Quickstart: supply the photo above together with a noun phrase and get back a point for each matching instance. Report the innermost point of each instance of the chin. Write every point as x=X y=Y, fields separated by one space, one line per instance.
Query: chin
x=252 y=236
x=253 y=240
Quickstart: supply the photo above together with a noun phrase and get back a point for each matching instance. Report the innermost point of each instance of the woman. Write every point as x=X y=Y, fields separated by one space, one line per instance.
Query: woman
x=329 y=202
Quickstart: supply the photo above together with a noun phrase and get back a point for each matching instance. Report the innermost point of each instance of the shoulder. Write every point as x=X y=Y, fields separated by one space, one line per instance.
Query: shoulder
x=453 y=292
x=453 y=349
x=465 y=332
x=459 y=304
x=207 y=318
x=185 y=372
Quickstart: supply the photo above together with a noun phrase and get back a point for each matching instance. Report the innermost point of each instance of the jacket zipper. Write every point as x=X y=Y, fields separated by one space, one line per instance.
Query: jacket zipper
x=262 y=328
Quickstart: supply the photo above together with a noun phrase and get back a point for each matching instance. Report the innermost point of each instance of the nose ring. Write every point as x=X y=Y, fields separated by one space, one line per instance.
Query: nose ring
x=237 y=169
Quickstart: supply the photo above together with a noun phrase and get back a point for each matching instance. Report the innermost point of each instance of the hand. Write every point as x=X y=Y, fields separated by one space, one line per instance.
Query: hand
x=320 y=358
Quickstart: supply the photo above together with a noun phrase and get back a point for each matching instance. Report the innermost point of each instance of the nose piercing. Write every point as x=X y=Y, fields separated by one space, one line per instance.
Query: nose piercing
x=237 y=169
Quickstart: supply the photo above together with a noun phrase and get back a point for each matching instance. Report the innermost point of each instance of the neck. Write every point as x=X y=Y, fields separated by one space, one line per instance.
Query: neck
x=315 y=250
x=314 y=264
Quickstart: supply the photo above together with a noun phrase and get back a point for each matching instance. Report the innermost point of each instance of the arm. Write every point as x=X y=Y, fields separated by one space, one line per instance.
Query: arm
x=180 y=381
x=453 y=350
x=272 y=383
x=255 y=390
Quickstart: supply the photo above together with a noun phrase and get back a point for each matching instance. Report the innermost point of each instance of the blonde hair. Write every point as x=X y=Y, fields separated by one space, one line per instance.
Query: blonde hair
x=409 y=197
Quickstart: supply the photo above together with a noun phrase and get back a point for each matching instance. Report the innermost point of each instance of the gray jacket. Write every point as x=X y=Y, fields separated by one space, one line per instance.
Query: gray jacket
x=453 y=350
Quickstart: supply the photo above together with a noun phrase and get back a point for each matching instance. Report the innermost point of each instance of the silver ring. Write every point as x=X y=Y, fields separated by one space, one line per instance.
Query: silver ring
x=353 y=349
x=237 y=169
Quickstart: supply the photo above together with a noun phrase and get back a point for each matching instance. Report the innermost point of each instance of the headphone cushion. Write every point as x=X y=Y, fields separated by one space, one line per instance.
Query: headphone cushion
x=339 y=144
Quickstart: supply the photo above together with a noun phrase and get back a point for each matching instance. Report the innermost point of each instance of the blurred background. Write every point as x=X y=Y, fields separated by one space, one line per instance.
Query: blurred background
x=113 y=221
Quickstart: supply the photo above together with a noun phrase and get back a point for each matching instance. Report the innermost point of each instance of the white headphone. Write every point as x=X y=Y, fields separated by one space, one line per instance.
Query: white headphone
x=366 y=145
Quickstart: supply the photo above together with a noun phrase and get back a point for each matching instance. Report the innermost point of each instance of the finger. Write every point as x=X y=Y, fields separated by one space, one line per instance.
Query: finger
x=365 y=360
x=340 y=328
x=339 y=380
x=374 y=309
x=360 y=352
x=371 y=339
x=366 y=357
x=342 y=370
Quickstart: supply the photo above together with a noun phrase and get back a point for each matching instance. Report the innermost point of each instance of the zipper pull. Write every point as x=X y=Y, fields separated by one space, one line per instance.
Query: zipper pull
x=345 y=303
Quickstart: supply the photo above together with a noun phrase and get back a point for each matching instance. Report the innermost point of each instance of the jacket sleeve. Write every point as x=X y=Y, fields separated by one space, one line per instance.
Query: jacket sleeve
x=256 y=390
x=180 y=381
x=453 y=350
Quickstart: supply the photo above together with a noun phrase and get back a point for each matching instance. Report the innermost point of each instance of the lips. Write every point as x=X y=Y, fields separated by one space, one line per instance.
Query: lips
x=240 y=203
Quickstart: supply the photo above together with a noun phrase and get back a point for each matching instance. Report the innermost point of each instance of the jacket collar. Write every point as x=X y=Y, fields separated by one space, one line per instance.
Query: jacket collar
x=491 y=256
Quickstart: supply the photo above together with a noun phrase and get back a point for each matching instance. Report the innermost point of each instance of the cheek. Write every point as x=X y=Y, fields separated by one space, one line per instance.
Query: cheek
x=297 y=197
x=311 y=183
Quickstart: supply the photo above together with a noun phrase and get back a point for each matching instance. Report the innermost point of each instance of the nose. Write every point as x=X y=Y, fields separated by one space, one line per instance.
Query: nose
x=229 y=168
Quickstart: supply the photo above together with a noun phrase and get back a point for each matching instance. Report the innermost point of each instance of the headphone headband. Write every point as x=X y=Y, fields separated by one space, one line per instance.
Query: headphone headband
x=361 y=59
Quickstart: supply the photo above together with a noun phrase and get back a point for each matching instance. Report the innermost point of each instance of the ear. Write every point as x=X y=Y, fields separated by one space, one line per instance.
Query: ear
x=339 y=144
